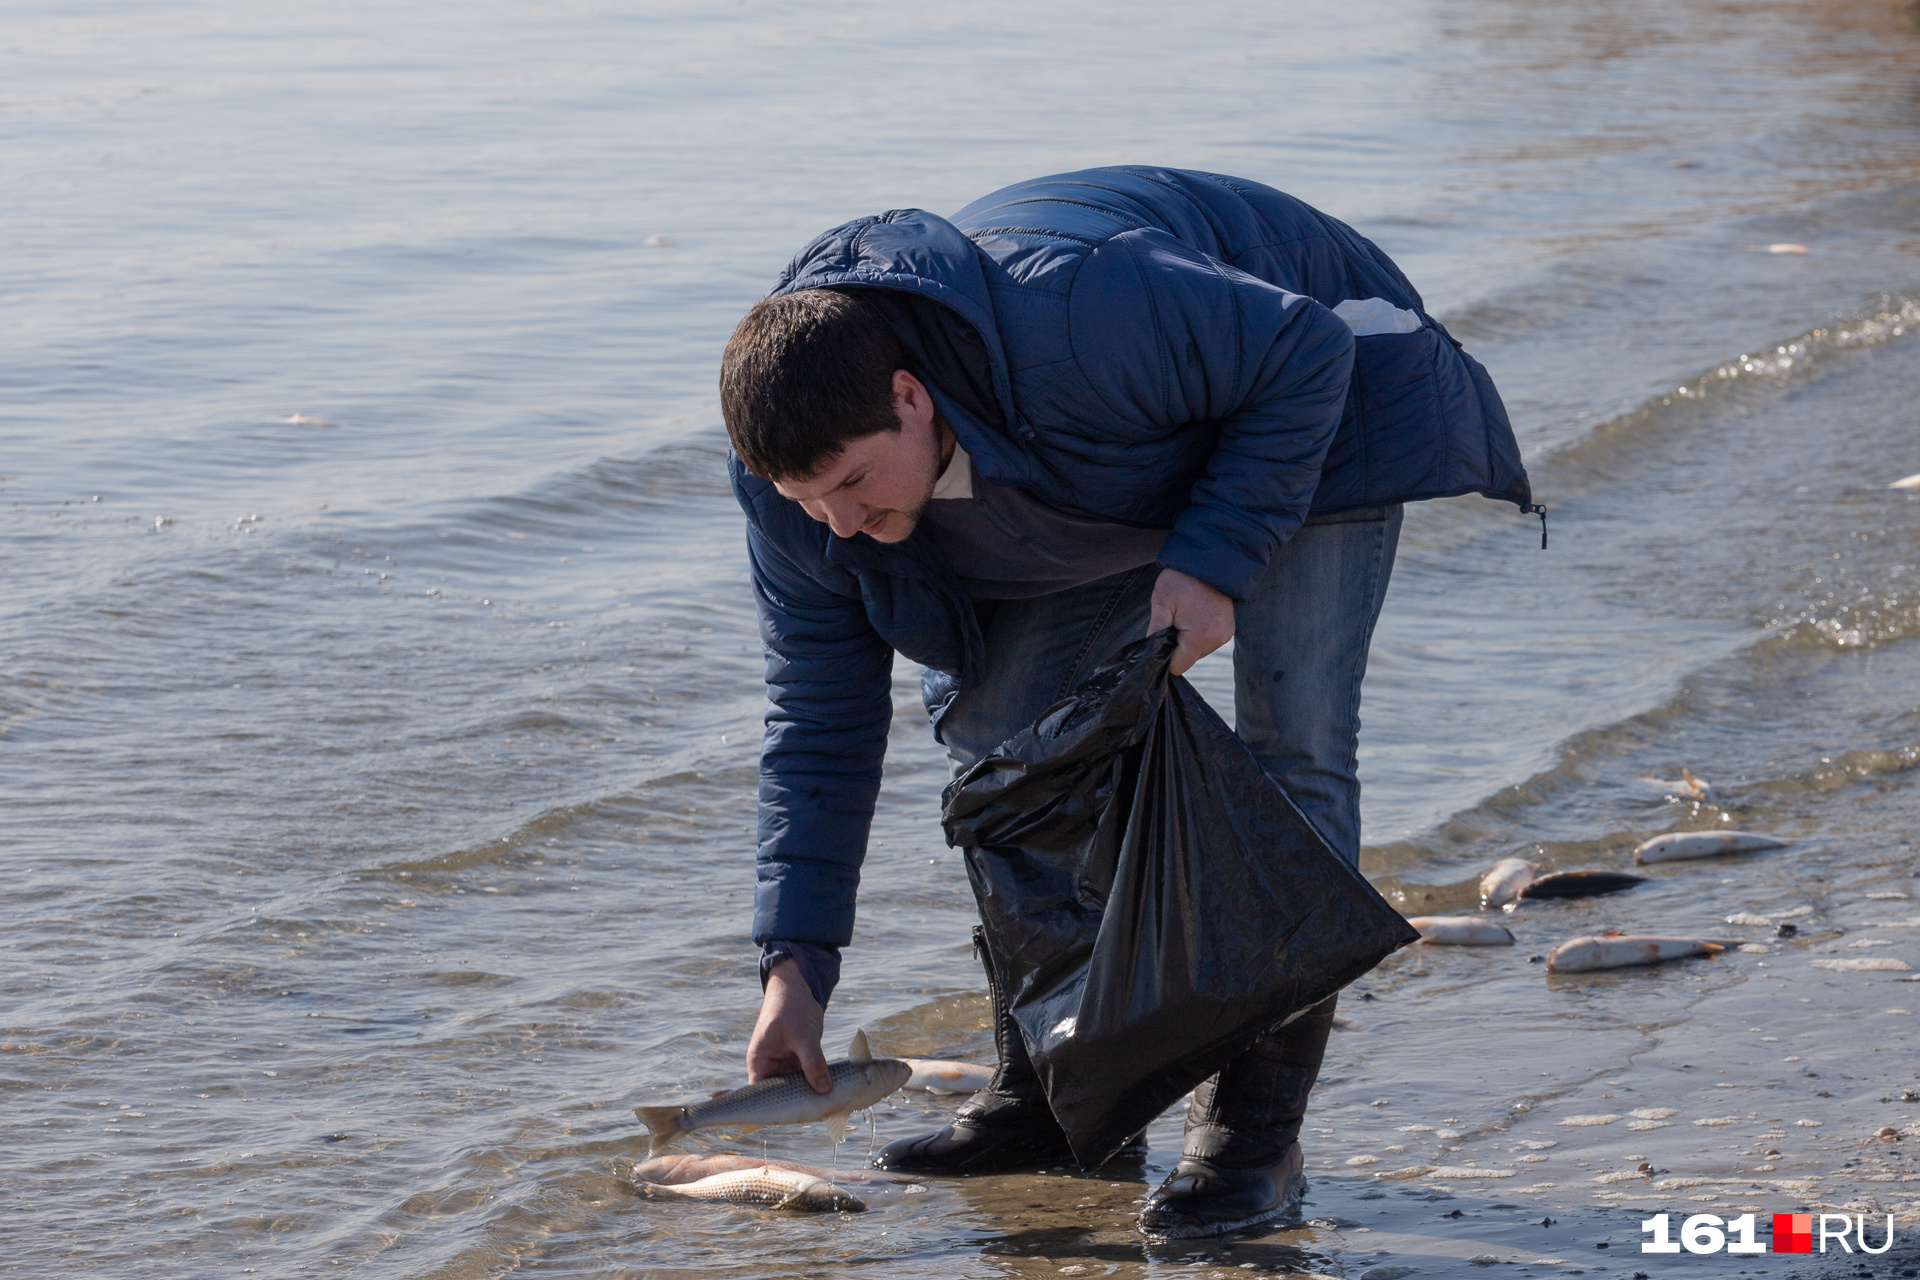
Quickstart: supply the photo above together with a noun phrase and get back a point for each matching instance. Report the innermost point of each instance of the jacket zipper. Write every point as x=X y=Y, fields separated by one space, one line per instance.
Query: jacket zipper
x=1537 y=510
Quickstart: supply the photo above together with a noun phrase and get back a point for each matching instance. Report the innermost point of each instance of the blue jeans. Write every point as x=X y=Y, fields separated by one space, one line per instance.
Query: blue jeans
x=1299 y=653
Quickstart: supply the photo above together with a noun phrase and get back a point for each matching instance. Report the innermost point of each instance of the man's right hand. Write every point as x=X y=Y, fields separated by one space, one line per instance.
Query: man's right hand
x=787 y=1037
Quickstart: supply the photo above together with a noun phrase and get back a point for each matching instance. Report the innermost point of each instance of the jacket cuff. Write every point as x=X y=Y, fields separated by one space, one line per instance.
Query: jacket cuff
x=819 y=966
x=1235 y=575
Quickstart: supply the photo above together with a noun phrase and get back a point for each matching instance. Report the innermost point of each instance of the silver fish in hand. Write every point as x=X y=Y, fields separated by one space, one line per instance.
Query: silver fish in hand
x=859 y=1081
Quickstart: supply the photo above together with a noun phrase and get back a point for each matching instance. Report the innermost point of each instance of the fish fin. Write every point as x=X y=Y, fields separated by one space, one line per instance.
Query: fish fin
x=858 y=1050
x=720 y=1093
x=837 y=1126
x=1713 y=948
x=749 y=1128
x=663 y=1125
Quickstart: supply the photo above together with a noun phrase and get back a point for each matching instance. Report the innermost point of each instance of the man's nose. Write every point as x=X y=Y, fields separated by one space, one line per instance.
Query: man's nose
x=844 y=518
x=847 y=521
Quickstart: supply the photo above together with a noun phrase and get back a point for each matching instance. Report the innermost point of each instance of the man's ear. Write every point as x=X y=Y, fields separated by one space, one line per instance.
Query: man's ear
x=911 y=399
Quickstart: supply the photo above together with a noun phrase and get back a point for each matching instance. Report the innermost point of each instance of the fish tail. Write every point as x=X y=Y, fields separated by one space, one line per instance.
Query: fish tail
x=663 y=1125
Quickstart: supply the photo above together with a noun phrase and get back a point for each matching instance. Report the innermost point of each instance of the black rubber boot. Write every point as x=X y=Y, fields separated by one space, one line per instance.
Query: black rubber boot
x=1240 y=1164
x=1006 y=1125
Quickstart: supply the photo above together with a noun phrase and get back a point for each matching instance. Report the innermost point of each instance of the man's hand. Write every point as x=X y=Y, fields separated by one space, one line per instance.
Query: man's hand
x=787 y=1037
x=1201 y=617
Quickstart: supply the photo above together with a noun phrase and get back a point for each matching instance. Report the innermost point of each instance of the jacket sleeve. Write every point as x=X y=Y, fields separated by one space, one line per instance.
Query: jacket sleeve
x=1173 y=339
x=829 y=705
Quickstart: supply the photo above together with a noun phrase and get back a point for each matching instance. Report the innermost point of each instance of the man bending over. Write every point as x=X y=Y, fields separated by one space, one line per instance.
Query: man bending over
x=1004 y=444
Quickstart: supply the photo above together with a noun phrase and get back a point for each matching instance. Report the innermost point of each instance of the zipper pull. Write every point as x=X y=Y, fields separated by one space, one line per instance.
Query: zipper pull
x=1537 y=510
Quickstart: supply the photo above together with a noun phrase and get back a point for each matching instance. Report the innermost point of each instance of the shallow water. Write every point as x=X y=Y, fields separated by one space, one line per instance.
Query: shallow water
x=276 y=695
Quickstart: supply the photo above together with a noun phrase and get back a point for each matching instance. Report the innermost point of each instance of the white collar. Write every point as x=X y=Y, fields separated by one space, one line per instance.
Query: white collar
x=957 y=480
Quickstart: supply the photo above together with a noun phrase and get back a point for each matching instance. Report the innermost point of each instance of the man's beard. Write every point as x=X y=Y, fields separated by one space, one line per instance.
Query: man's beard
x=916 y=515
x=918 y=512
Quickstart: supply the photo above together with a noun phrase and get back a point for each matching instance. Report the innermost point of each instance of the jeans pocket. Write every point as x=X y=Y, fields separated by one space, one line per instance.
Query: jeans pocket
x=1096 y=634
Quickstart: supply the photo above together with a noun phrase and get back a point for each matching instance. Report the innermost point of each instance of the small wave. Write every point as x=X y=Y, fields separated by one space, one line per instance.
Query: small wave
x=1798 y=358
x=685 y=791
x=1848 y=768
x=1860 y=626
x=1763 y=720
x=1764 y=372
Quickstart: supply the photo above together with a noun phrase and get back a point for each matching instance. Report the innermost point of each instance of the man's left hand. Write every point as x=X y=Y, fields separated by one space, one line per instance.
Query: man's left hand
x=1201 y=617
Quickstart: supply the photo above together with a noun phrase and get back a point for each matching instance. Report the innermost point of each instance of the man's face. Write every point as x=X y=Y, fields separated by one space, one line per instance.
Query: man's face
x=879 y=484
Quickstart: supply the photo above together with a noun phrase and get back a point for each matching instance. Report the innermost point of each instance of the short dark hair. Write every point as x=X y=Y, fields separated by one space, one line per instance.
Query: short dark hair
x=805 y=375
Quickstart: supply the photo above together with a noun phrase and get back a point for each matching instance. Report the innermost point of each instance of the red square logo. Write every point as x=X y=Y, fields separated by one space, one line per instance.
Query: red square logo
x=1793 y=1233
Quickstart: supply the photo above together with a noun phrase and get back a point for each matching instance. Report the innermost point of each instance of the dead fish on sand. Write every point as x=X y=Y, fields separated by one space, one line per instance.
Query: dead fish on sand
x=1506 y=882
x=937 y=1076
x=1624 y=951
x=1688 y=785
x=1460 y=931
x=739 y=1180
x=1516 y=879
x=1678 y=846
x=1580 y=884
x=859 y=1081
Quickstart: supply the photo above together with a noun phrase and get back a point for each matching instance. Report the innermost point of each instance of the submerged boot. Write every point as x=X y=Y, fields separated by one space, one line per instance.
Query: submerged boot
x=1240 y=1164
x=1006 y=1125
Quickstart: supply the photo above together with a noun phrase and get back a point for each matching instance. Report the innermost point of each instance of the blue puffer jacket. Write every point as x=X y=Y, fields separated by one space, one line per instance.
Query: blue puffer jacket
x=1163 y=353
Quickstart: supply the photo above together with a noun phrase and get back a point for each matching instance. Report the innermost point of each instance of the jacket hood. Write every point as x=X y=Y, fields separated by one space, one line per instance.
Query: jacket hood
x=920 y=253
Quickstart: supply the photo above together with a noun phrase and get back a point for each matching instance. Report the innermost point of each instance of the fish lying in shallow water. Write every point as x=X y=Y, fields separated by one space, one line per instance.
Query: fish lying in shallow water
x=1460 y=931
x=1678 y=846
x=859 y=1081
x=669 y=1171
x=1624 y=951
x=1688 y=785
x=1506 y=882
x=1580 y=884
x=739 y=1180
x=937 y=1076
x=1516 y=880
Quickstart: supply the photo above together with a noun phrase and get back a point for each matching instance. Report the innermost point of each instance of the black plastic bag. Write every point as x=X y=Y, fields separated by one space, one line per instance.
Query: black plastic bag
x=1153 y=900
